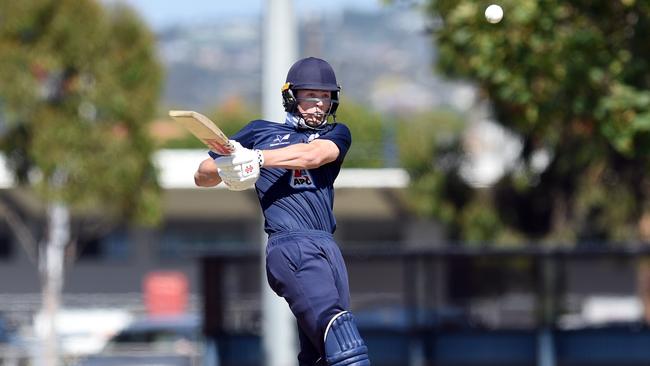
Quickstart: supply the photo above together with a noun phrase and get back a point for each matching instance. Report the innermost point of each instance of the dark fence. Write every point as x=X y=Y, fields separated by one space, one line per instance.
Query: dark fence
x=458 y=306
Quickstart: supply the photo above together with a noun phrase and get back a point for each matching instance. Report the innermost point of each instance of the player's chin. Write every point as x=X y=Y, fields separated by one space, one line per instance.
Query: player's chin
x=313 y=122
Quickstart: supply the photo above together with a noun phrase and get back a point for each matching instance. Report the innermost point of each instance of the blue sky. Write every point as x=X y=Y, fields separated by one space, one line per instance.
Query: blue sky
x=159 y=13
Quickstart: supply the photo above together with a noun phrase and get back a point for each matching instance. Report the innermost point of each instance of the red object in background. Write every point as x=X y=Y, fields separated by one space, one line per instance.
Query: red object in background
x=165 y=293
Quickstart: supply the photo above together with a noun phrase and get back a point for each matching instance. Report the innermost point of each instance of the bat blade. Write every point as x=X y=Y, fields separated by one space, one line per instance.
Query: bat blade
x=205 y=130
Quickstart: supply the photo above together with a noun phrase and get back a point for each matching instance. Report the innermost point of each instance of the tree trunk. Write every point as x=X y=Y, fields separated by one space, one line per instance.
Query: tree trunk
x=643 y=281
x=51 y=263
x=643 y=268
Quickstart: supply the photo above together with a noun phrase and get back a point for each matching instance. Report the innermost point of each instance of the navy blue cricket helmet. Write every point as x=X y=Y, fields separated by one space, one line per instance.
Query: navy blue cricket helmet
x=310 y=73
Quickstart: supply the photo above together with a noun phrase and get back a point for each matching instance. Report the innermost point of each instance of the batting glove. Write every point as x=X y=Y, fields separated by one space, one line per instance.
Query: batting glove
x=241 y=169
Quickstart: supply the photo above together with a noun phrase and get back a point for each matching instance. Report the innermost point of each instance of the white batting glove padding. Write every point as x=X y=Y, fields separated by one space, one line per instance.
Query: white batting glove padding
x=238 y=186
x=240 y=170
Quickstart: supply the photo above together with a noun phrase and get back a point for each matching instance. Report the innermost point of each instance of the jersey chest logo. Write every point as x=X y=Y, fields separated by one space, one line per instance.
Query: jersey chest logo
x=301 y=179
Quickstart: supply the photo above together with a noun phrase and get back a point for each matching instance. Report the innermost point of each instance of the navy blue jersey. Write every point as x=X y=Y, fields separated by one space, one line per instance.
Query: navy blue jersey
x=295 y=199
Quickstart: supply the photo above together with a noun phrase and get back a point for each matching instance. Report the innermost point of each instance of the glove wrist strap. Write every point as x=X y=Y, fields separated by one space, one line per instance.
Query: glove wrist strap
x=260 y=157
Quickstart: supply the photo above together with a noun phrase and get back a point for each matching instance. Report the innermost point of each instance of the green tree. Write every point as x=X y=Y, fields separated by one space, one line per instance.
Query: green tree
x=230 y=116
x=570 y=78
x=368 y=129
x=364 y=123
x=78 y=84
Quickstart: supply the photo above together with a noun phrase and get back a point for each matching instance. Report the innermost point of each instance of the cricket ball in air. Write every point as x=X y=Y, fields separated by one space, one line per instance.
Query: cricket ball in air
x=493 y=13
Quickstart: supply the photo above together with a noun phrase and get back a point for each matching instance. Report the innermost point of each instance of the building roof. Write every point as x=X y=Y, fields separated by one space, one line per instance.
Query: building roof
x=177 y=169
x=361 y=193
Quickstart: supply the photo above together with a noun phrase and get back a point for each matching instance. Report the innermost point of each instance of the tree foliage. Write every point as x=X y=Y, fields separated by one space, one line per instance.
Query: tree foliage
x=419 y=141
x=78 y=85
x=368 y=129
x=571 y=79
x=230 y=116
x=364 y=123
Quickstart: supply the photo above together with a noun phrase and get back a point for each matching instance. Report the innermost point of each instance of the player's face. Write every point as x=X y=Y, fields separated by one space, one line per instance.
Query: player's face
x=313 y=105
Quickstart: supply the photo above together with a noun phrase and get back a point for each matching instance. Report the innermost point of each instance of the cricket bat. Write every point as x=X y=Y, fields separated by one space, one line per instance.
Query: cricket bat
x=205 y=130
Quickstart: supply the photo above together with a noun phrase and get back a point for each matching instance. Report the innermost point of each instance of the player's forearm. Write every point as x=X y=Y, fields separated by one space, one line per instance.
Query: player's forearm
x=298 y=156
x=207 y=174
x=203 y=180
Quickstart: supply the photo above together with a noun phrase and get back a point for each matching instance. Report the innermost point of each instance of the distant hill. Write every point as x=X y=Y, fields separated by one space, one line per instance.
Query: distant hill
x=382 y=58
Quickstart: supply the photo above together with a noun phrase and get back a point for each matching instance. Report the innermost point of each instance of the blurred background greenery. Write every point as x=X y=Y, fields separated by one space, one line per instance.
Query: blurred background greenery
x=79 y=84
x=559 y=109
x=569 y=81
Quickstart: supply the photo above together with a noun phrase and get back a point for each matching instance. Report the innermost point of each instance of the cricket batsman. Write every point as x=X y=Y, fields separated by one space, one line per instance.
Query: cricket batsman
x=292 y=166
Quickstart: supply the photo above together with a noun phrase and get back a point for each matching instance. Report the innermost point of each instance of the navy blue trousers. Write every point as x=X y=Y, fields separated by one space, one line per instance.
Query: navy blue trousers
x=306 y=268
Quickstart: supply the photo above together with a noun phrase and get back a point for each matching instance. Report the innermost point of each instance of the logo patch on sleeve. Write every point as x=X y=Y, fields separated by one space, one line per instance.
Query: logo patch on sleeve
x=281 y=140
x=300 y=179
